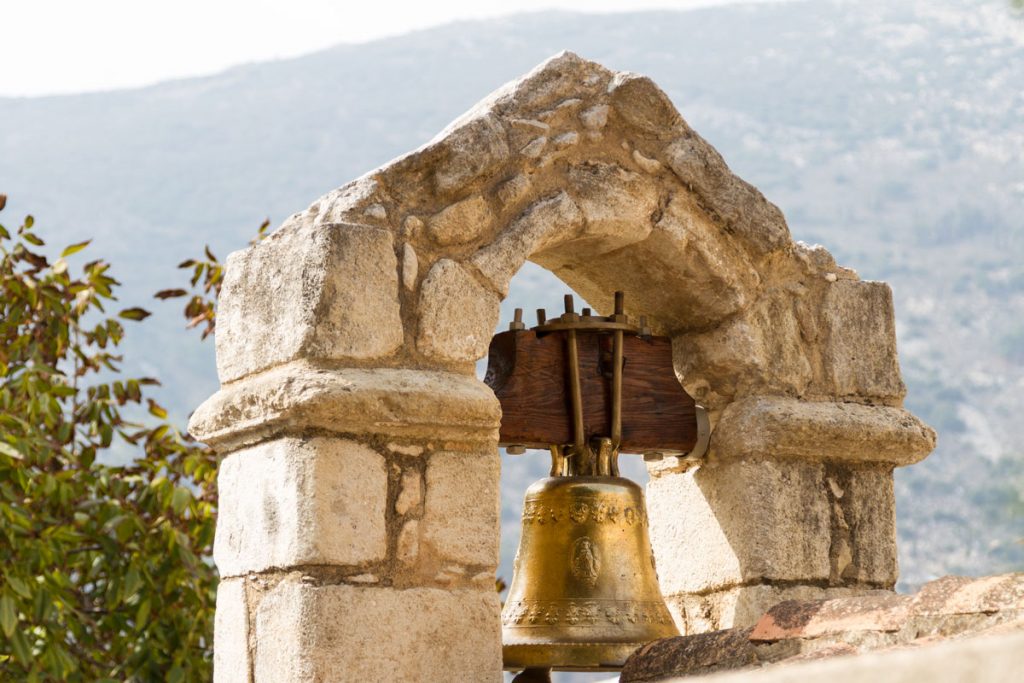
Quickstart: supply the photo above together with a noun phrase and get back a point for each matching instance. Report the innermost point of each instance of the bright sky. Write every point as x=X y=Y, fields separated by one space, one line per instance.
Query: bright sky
x=63 y=46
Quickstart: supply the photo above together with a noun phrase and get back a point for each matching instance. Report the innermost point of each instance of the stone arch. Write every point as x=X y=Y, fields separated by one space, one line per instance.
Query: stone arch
x=346 y=343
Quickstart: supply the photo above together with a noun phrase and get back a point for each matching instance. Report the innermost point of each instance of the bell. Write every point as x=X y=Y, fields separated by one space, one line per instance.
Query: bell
x=584 y=592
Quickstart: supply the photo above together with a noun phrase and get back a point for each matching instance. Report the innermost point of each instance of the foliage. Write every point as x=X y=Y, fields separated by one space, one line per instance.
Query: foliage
x=106 y=571
x=200 y=309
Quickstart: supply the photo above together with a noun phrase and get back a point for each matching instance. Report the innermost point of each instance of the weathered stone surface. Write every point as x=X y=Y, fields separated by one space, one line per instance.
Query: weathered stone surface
x=802 y=630
x=462 y=222
x=410 y=495
x=770 y=520
x=985 y=659
x=231 y=659
x=743 y=606
x=595 y=118
x=409 y=542
x=738 y=204
x=863 y=550
x=643 y=105
x=787 y=428
x=410 y=266
x=796 y=619
x=750 y=520
x=302 y=396
x=470 y=148
x=691 y=655
x=684 y=252
x=292 y=502
x=325 y=292
x=760 y=350
x=955 y=595
x=617 y=205
x=461 y=519
x=551 y=220
x=345 y=633
x=860 y=355
x=458 y=315
x=513 y=190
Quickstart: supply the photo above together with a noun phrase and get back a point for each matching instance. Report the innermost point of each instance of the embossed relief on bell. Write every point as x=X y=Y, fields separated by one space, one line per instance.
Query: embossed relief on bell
x=585 y=561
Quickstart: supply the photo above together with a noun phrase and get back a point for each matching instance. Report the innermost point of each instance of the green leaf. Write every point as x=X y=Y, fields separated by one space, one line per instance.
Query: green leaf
x=29 y=222
x=20 y=647
x=8 y=615
x=180 y=500
x=176 y=675
x=156 y=409
x=32 y=239
x=134 y=314
x=142 y=615
x=74 y=248
x=18 y=586
x=10 y=451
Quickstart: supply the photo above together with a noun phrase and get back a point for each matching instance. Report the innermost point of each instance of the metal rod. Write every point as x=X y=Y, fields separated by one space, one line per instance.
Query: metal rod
x=575 y=392
x=542 y=316
x=617 y=379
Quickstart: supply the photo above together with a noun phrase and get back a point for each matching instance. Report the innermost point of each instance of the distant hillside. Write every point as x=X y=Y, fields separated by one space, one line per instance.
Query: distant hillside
x=890 y=132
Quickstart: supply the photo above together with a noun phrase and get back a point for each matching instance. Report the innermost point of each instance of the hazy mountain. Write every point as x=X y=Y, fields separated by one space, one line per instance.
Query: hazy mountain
x=893 y=133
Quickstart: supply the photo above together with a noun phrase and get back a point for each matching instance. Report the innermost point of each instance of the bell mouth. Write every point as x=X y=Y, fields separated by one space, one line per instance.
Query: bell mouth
x=569 y=656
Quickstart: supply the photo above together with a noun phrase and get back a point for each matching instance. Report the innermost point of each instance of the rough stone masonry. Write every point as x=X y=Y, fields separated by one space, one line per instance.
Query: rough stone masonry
x=359 y=501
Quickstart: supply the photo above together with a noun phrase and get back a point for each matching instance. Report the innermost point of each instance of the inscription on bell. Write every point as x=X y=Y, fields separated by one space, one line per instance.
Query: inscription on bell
x=583 y=511
x=585 y=562
x=584 y=613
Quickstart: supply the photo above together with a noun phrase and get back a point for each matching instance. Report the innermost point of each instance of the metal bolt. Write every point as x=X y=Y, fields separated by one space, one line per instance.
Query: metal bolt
x=542 y=316
x=517 y=322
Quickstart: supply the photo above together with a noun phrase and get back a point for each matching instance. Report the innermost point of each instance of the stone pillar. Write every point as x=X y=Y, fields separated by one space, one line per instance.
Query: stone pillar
x=795 y=499
x=358 y=526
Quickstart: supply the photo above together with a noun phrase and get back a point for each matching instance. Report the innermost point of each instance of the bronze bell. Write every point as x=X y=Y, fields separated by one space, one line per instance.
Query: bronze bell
x=584 y=592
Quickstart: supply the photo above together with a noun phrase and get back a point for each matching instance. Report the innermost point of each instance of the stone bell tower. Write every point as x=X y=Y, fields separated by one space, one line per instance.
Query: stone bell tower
x=358 y=530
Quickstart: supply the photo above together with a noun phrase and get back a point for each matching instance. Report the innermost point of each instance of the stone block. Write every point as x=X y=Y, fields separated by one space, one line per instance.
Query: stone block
x=356 y=634
x=759 y=223
x=864 y=519
x=685 y=252
x=458 y=315
x=410 y=266
x=231 y=660
x=416 y=404
x=321 y=292
x=292 y=502
x=468 y=149
x=644 y=105
x=759 y=350
x=410 y=494
x=740 y=522
x=543 y=224
x=778 y=427
x=860 y=354
x=462 y=511
x=462 y=222
x=617 y=204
